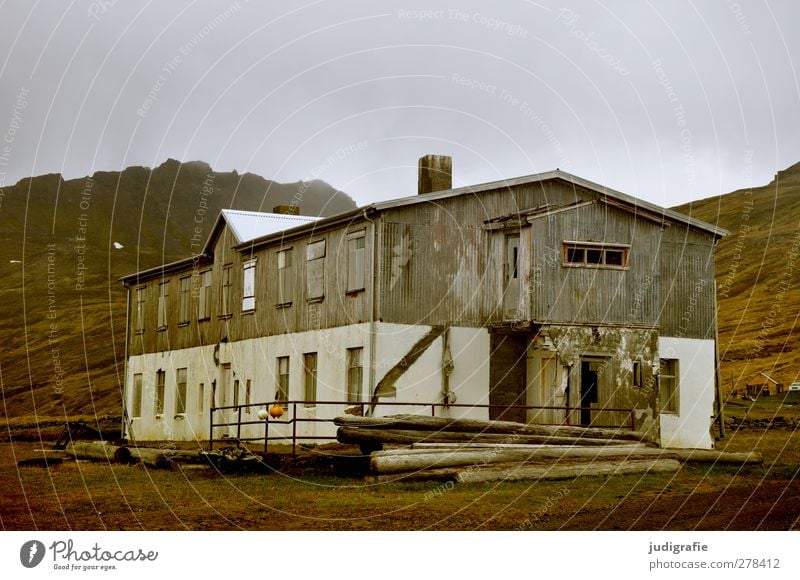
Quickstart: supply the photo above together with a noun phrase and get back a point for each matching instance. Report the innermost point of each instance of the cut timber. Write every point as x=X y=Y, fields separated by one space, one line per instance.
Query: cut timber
x=424 y=423
x=164 y=458
x=98 y=451
x=360 y=436
x=521 y=471
x=719 y=457
x=399 y=461
x=416 y=460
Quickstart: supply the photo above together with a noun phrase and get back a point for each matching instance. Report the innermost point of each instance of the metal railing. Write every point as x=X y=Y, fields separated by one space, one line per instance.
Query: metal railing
x=294 y=420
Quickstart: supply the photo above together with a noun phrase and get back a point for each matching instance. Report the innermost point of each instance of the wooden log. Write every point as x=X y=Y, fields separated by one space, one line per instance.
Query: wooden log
x=360 y=436
x=717 y=457
x=98 y=451
x=399 y=461
x=529 y=472
x=425 y=423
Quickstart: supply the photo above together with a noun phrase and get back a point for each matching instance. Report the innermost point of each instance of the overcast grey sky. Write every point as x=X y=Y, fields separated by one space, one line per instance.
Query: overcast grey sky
x=665 y=100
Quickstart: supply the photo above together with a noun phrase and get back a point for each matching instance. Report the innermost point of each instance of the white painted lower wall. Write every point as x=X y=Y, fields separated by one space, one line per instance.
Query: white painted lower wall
x=691 y=427
x=256 y=360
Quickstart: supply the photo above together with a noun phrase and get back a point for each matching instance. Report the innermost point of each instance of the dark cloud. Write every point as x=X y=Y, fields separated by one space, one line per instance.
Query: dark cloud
x=667 y=101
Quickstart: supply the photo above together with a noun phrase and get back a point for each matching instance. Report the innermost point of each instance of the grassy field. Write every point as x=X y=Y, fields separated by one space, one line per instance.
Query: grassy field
x=93 y=496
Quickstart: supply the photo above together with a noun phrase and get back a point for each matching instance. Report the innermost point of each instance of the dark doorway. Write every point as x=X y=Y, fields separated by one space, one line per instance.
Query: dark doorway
x=508 y=376
x=590 y=386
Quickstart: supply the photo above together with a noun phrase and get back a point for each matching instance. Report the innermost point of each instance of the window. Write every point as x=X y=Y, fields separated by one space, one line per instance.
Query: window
x=201 y=396
x=315 y=271
x=235 y=392
x=163 y=301
x=595 y=255
x=225 y=295
x=186 y=294
x=512 y=257
x=247 y=396
x=668 y=384
x=285 y=293
x=138 y=324
x=637 y=373
x=283 y=379
x=356 y=253
x=310 y=378
x=204 y=306
x=180 y=392
x=158 y=407
x=249 y=285
x=136 y=396
x=355 y=374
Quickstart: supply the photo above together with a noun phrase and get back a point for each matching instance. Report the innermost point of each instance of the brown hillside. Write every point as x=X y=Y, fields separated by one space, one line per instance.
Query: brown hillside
x=62 y=307
x=758 y=278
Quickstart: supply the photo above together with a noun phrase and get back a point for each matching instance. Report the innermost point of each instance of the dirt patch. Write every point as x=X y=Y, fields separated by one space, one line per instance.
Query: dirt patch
x=92 y=496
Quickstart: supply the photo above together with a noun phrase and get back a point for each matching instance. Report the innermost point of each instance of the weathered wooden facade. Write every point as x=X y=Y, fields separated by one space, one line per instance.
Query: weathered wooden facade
x=545 y=291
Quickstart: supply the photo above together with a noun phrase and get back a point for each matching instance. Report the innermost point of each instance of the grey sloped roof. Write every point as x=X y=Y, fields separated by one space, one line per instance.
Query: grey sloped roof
x=249 y=225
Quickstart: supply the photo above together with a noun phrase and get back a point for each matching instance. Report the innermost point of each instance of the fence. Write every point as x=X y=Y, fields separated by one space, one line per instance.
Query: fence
x=294 y=419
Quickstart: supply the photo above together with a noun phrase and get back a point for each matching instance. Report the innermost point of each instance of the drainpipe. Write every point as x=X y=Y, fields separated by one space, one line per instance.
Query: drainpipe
x=372 y=308
x=125 y=365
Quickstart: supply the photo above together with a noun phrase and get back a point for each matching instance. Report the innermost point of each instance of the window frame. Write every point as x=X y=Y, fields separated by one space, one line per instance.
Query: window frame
x=204 y=296
x=310 y=376
x=180 y=391
x=356 y=256
x=162 y=321
x=185 y=301
x=353 y=397
x=226 y=292
x=315 y=260
x=159 y=393
x=285 y=262
x=249 y=267
x=140 y=307
x=669 y=405
x=136 y=396
x=282 y=379
x=569 y=247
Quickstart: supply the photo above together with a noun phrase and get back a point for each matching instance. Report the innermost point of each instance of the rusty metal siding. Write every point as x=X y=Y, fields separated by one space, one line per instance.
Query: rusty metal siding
x=595 y=295
x=338 y=307
x=433 y=274
x=687 y=282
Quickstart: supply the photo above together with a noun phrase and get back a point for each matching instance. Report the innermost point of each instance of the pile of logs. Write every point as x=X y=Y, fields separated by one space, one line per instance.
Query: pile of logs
x=465 y=450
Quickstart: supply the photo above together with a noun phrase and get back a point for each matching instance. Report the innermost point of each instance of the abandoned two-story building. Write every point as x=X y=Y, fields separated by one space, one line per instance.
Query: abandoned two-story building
x=545 y=298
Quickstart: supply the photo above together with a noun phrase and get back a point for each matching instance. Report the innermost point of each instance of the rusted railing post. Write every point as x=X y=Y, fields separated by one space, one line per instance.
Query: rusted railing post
x=238 y=423
x=294 y=428
x=211 y=429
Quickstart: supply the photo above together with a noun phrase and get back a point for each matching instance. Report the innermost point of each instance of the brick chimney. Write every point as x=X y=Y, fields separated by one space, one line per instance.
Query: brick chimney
x=435 y=173
x=287 y=209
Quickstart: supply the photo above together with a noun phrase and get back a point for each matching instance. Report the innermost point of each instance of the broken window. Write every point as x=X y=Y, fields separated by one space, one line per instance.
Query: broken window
x=201 y=395
x=163 y=301
x=285 y=293
x=668 y=385
x=315 y=271
x=355 y=374
x=139 y=312
x=235 y=392
x=356 y=259
x=180 y=392
x=637 y=373
x=283 y=379
x=136 y=396
x=158 y=406
x=186 y=293
x=204 y=296
x=226 y=294
x=249 y=285
x=247 y=396
x=310 y=378
x=595 y=255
